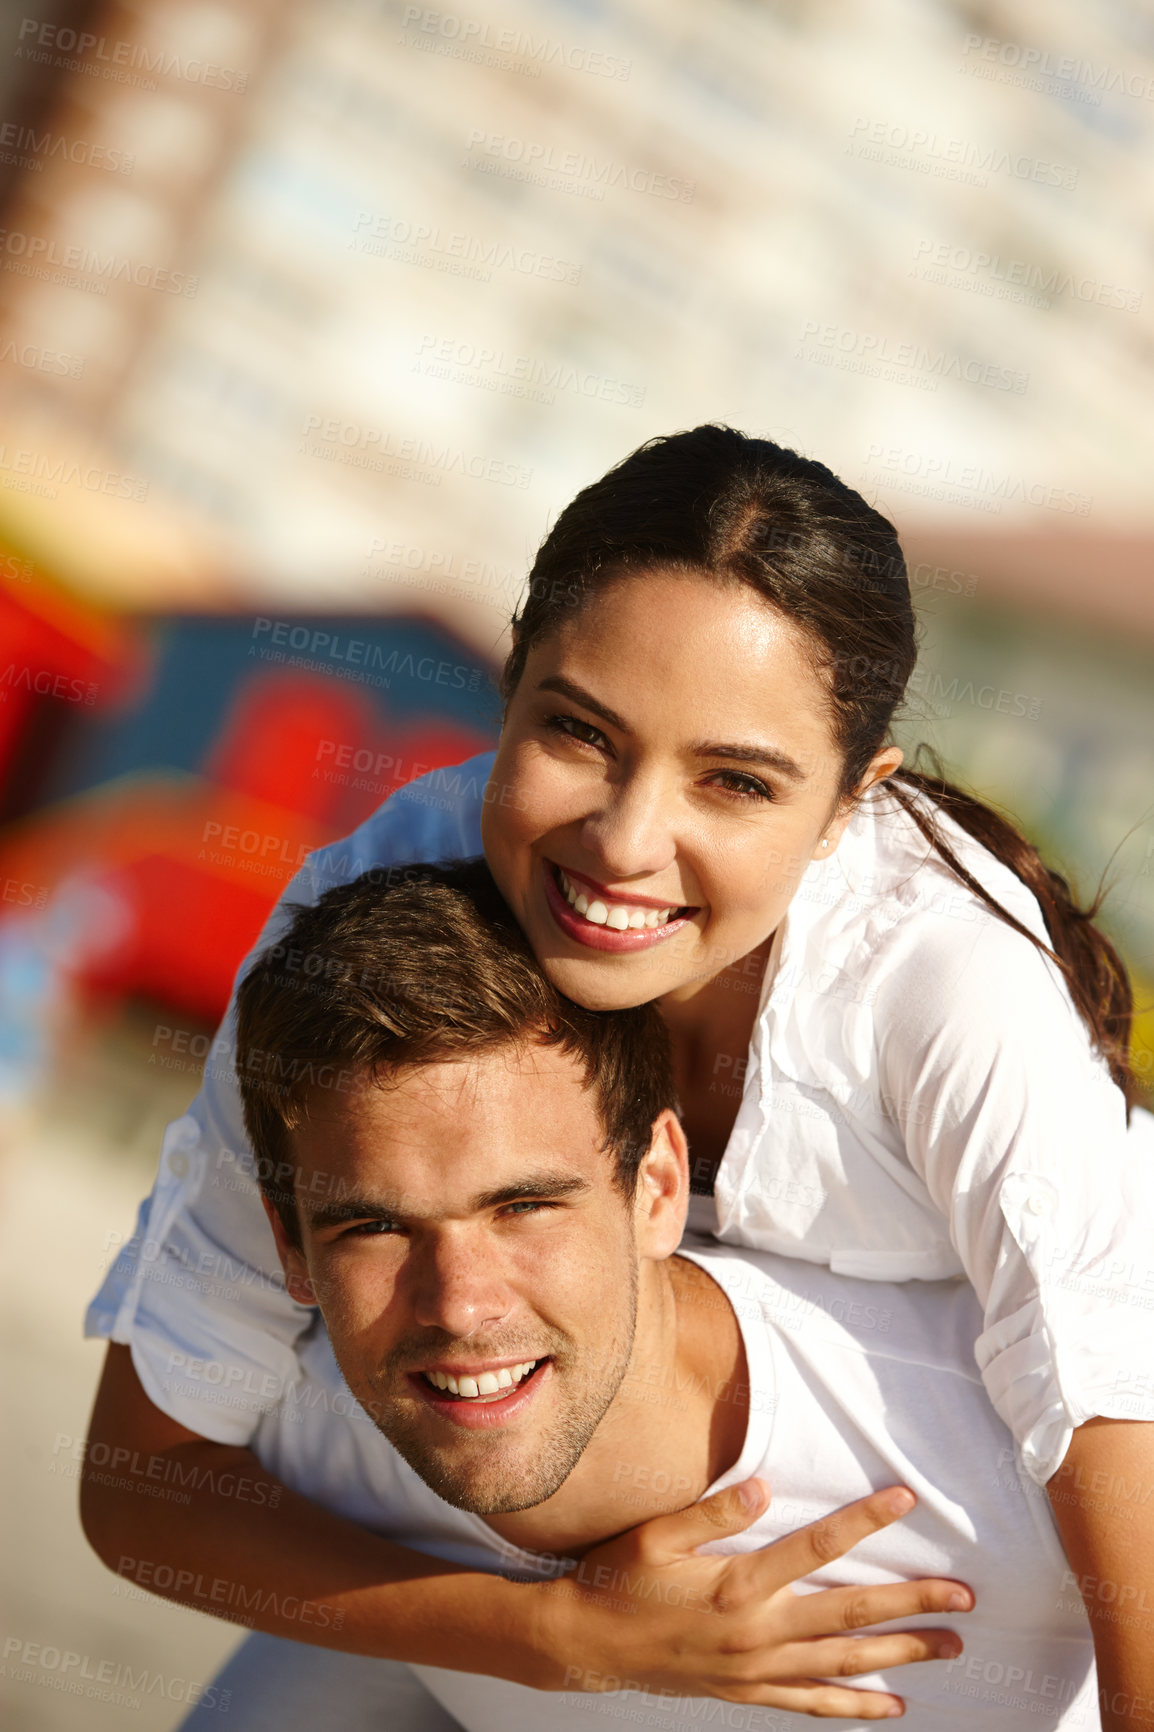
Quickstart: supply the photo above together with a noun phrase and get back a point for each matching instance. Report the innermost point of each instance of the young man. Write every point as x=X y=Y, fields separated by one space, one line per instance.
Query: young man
x=483 y=1189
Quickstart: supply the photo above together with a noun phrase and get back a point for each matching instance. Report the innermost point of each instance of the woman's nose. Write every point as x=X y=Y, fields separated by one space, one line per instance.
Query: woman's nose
x=631 y=833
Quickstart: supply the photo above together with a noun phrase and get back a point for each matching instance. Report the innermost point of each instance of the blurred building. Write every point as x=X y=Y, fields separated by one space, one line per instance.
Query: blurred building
x=323 y=309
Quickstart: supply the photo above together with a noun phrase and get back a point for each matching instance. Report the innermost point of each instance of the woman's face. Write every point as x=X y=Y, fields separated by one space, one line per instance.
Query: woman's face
x=665 y=775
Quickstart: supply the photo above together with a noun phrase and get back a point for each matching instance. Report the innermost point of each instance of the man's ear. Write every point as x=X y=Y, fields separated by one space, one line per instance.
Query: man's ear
x=662 y=1197
x=292 y=1260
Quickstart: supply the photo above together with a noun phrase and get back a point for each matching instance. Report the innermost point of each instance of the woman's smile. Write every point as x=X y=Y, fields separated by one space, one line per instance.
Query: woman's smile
x=591 y=914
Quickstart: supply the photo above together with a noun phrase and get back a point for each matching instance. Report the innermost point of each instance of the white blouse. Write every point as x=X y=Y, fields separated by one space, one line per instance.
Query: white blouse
x=920 y=1101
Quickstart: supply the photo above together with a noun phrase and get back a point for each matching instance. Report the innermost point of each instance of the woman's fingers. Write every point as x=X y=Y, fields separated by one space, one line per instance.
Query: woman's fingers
x=833 y=1609
x=810 y=1548
x=667 y=1539
x=851 y=1656
x=828 y=1701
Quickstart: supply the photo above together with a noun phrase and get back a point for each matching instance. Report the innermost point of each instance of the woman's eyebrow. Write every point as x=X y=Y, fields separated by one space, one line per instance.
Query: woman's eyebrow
x=578 y=695
x=769 y=756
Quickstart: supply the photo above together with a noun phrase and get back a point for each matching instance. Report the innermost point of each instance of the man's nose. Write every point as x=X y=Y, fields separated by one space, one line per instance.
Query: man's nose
x=457 y=1287
x=632 y=832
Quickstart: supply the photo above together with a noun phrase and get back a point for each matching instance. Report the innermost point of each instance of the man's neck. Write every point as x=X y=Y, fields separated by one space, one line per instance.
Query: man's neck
x=676 y=1424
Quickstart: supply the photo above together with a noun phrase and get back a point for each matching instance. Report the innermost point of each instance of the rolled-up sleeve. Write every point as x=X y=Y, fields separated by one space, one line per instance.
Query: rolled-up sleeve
x=197 y=1293
x=1013 y=1124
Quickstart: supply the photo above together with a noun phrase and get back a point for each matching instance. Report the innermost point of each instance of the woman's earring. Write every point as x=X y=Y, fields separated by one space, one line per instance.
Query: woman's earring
x=825 y=842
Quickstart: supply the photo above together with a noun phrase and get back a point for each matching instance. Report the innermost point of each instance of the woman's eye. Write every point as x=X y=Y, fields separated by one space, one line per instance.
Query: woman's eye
x=746 y=787
x=573 y=728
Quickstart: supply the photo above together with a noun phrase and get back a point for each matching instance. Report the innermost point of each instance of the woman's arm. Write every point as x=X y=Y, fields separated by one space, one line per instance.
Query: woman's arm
x=1102 y=1496
x=1021 y=1139
x=246 y=1548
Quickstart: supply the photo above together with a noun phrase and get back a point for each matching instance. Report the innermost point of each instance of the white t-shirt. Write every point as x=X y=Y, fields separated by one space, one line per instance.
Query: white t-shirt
x=920 y=1100
x=854 y=1385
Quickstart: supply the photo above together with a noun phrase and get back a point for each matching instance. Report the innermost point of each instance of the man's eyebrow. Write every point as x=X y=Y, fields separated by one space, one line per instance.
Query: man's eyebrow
x=578 y=695
x=349 y=1208
x=769 y=756
x=546 y=1187
x=543 y=1187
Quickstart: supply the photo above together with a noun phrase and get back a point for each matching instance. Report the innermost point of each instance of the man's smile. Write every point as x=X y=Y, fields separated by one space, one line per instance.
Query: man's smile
x=480 y=1398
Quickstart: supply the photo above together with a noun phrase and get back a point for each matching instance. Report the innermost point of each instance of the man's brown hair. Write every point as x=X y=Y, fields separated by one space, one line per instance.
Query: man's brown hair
x=415 y=966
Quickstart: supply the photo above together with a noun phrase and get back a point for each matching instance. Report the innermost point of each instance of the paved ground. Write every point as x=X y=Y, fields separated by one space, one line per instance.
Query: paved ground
x=70 y=1180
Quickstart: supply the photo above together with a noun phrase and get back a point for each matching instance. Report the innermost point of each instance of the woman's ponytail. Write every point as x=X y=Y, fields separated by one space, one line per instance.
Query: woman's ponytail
x=1092 y=969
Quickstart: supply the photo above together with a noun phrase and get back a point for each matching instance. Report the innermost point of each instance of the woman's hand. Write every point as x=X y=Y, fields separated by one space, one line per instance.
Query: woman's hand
x=647 y=1611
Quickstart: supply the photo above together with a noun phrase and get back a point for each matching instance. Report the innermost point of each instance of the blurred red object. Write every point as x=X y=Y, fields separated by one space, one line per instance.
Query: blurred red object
x=61 y=659
x=196 y=862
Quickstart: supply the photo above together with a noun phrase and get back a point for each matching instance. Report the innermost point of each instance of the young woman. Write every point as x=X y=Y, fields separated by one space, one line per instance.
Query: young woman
x=902 y=1048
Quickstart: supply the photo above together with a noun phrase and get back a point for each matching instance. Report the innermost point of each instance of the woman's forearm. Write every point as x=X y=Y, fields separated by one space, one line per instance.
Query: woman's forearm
x=1103 y=1502
x=204 y=1524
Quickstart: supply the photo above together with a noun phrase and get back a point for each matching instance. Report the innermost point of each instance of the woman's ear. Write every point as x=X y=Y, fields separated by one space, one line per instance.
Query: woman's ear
x=662 y=1196
x=881 y=765
x=298 y=1285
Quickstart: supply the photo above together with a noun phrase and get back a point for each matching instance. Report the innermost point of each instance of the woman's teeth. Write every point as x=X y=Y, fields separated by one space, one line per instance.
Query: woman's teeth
x=488 y=1383
x=619 y=915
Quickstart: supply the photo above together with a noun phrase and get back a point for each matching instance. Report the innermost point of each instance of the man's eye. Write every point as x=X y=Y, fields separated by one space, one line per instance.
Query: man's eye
x=526 y=1208
x=370 y=1229
x=573 y=728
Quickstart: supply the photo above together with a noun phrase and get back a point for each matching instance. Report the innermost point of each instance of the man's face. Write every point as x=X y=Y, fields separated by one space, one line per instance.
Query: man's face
x=461 y=1222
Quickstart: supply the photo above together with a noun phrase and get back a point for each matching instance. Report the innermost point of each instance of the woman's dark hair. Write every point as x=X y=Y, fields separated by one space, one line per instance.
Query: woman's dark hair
x=717 y=502
x=405 y=967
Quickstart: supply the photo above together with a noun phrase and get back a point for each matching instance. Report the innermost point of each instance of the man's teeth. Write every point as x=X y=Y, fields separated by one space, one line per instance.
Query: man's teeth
x=488 y=1383
x=619 y=915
